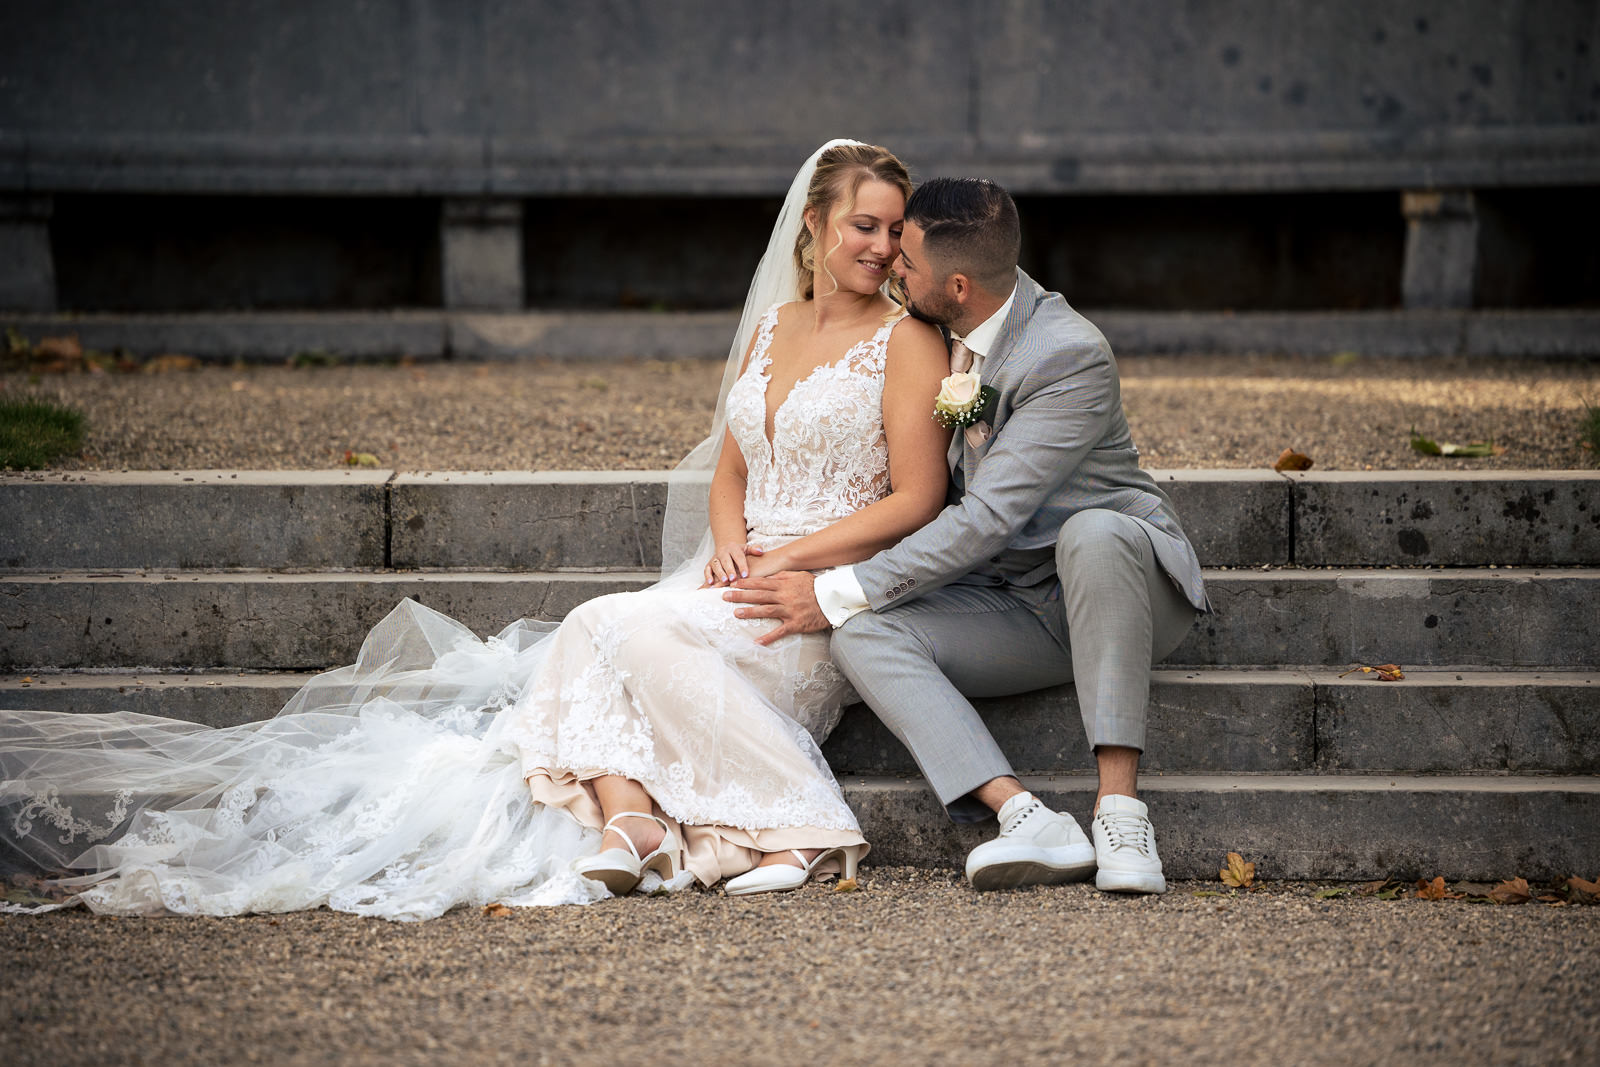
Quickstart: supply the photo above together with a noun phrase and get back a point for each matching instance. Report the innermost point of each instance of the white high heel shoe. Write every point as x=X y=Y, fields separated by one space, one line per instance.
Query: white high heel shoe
x=621 y=871
x=777 y=877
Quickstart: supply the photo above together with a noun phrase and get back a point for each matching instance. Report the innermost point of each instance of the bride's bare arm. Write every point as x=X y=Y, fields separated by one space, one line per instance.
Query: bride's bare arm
x=918 y=476
x=728 y=529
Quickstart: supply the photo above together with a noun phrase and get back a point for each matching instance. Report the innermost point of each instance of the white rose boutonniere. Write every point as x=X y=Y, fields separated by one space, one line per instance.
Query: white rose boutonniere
x=963 y=401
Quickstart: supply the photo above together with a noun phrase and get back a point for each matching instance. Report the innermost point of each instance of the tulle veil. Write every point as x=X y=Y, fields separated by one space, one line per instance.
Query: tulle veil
x=155 y=810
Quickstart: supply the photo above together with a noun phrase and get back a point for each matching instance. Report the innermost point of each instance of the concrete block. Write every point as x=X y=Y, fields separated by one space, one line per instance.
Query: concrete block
x=1543 y=723
x=255 y=336
x=480 y=252
x=1317 y=333
x=1447 y=518
x=257 y=621
x=27 y=265
x=1480 y=618
x=588 y=520
x=1573 y=334
x=622 y=335
x=218 y=700
x=592 y=335
x=314 y=520
x=1441 y=261
x=1248 y=721
x=1234 y=518
x=1292 y=826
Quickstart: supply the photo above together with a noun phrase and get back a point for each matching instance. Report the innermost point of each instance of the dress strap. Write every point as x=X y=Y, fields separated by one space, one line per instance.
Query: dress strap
x=764 y=328
x=876 y=356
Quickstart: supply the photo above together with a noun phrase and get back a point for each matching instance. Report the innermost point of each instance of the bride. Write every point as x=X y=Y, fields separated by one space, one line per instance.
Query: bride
x=647 y=740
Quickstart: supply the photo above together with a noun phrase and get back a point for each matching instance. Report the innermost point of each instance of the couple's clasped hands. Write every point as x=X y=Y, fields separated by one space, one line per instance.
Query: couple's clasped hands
x=765 y=590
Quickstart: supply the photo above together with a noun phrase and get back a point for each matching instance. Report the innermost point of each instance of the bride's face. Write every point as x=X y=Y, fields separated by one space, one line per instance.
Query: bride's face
x=862 y=239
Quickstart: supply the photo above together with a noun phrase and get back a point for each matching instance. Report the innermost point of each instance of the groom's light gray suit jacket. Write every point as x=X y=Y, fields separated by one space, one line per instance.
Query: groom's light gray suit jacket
x=1060 y=445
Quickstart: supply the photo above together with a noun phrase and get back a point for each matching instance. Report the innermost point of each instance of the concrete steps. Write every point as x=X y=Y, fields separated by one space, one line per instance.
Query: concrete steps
x=263 y=620
x=609 y=520
x=200 y=595
x=1248 y=721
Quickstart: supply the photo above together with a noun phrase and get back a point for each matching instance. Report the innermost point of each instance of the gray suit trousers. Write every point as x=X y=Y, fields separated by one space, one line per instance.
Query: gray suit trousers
x=1112 y=613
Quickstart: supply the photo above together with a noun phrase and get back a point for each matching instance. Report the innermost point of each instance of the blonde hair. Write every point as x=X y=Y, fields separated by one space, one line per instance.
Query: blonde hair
x=839 y=174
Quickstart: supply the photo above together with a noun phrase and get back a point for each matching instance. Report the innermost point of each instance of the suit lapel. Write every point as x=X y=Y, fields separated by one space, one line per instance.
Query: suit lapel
x=1022 y=306
x=961 y=454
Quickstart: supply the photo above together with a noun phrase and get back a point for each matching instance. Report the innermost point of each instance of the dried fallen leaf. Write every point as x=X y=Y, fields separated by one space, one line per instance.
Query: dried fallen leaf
x=360 y=459
x=495 y=911
x=1238 y=873
x=61 y=348
x=845 y=885
x=1367 y=889
x=1582 y=892
x=1433 y=890
x=1385 y=672
x=1290 y=460
x=169 y=363
x=1511 y=891
x=1331 y=894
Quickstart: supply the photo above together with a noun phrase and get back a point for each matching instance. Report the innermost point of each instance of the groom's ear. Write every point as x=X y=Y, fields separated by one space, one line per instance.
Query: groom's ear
x=959 y=286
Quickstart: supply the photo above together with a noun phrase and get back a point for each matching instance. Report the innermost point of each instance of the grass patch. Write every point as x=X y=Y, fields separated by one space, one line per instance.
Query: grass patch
x=1589 y=431
x=33 y=433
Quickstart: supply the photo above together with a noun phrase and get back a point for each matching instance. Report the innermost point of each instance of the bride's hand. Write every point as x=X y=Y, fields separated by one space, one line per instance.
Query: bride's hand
x=729 y=563
x=767 y=564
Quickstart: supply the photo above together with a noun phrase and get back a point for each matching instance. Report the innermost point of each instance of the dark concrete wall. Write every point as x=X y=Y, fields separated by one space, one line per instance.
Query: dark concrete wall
x=704 y=96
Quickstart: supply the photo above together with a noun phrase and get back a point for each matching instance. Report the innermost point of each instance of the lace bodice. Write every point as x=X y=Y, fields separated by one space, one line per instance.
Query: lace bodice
x=828 y=456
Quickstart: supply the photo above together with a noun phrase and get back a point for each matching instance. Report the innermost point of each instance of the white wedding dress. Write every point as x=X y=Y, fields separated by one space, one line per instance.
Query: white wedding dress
x=442 y=770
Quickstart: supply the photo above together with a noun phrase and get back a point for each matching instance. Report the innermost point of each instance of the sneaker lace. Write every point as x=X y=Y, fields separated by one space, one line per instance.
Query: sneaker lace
x=1126 y=830
x=1019 y=817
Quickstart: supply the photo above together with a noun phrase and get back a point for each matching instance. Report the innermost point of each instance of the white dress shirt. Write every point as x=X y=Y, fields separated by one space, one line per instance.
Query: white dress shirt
x=838 y=593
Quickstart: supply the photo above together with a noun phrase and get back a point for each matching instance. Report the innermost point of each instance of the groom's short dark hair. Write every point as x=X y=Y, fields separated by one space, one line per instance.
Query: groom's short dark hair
x=969 y=226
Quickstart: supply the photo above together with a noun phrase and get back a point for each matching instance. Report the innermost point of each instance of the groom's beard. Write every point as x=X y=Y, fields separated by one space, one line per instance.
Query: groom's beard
x=928 y=315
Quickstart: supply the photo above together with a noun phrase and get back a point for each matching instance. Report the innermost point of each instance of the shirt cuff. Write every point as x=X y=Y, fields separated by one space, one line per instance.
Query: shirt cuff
x=840 y=596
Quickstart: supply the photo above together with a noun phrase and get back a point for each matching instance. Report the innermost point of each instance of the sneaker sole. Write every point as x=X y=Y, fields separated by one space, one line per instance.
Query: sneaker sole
x=1129 y=882
x=1016 y=873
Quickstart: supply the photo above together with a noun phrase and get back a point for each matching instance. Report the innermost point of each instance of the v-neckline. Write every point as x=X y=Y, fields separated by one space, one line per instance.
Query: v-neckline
x=771 y=436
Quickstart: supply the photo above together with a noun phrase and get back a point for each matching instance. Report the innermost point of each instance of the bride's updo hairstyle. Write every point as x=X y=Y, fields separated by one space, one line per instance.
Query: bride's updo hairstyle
x=840 y=172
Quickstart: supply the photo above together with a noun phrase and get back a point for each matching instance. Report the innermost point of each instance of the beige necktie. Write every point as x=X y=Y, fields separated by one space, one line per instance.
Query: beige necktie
x=960 y=356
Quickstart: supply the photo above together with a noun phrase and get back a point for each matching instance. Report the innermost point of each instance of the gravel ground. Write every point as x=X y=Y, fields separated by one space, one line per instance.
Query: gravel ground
x=1347 y=413
x=913 y=968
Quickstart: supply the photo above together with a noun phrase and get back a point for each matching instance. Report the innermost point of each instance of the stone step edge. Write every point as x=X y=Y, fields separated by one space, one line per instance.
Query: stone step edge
x=1471 y=617
x=1307 y=721
x=114 y=677
x=600 y=520
x=1274 y=572
x=1344 y=827
x=616 y=335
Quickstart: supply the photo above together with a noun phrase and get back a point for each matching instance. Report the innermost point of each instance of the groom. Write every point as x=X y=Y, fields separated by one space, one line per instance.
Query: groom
x=1056 y=559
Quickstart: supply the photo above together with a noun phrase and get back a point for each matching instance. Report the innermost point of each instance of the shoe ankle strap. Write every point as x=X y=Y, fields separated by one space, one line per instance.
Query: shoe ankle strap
x=622 y=834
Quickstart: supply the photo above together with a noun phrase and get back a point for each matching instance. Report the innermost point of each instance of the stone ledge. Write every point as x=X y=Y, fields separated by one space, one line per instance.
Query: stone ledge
x=316 y=520
x=1455 y=518
x=613 y=335
x=1275 y=721
x=1344 y=827
x=608 y=520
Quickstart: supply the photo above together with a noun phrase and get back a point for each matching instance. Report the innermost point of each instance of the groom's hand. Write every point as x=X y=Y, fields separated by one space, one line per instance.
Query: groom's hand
x=788 y=596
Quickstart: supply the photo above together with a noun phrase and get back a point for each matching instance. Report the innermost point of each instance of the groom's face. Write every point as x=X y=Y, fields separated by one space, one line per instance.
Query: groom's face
x=926 y=295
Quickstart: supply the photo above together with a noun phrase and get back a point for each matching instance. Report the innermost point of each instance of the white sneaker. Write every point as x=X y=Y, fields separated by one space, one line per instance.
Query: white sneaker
x=1125 y=848
x=1036 y=846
